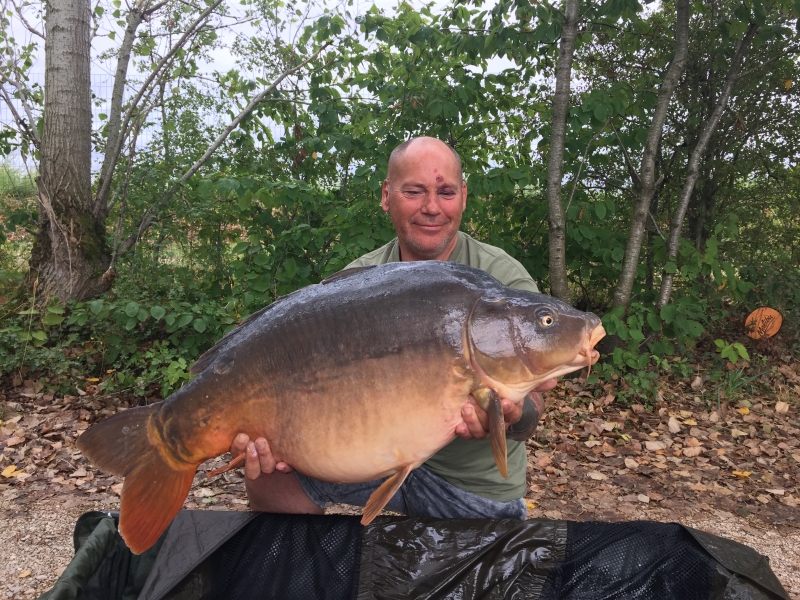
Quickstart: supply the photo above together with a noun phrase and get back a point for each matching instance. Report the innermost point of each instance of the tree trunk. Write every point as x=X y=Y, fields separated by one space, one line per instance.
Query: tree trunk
x=70 y=255
x=645 y=182
x=559 y=285
x=693 y=170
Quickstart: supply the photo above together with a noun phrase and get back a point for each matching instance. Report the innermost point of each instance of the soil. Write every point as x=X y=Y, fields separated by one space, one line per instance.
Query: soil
x=730 y=467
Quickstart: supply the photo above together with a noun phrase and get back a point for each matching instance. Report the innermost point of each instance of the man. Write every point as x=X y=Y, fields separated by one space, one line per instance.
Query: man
x=425 y=195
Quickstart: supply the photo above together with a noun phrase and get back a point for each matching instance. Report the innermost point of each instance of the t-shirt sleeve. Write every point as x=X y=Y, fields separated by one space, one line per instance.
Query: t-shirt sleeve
x=509 y=271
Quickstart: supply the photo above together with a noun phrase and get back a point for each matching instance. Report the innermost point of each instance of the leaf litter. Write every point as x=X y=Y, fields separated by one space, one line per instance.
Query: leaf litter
x=729 y=471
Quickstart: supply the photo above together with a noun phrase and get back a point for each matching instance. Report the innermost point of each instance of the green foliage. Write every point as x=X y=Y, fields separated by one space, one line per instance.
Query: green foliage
x=732 y=351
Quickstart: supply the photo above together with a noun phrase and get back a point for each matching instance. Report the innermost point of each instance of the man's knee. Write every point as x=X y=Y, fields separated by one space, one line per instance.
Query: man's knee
x=280 y=493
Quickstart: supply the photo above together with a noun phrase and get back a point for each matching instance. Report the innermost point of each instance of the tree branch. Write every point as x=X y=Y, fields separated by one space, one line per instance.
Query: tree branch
x=27 y=25
x=114 y=151
x=693 y=170
x=637 y=183
x=150 y=214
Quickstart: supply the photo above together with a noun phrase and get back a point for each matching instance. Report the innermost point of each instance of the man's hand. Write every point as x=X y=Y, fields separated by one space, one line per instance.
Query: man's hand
x=476 y=421
x=258 y=457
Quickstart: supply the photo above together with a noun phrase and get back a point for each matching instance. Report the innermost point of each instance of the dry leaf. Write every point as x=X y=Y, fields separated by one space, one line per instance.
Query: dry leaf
x=631 y=463
x=781 y=407
x=117 y=488
x=79 y=473
x=693 y=443
x=713 y=417
x=796 y=457
x=743 y=411
x=204 y=492
x=654 y=446
x=690 y=422
x=762 y=498
x=698 y=487
x=21 y=475
x=777 y=491
x=593 y=443
x=685 y=414
x=738 y=433
x=643 y=498
x=597 y=475
x=10 y=471
x=15 y=441
x=697 y=383
x=674 y=425
x=528 y=503
x=692 y=452
x=25 y=573
x=742 y=474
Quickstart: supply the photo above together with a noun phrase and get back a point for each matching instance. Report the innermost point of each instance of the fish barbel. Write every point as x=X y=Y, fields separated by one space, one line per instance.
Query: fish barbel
x=360 y=377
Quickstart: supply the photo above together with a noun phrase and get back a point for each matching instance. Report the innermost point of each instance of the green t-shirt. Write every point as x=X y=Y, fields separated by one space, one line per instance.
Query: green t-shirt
x=469 y=464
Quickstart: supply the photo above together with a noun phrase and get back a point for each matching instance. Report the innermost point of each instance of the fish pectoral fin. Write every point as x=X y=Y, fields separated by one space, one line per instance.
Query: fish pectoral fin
x=497 y=434
x=239 y=460
x=383 y=494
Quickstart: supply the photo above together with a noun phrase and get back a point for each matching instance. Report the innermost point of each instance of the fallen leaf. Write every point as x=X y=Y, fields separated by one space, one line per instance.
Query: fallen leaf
x=631 y=463
x=204 y=492
x=713 y=417
x=10 y=471
x=743 y=411
x=528 y=503
x=654 y=446
x=674 y=425
x=15 y=441
x=796 y=457
x=697 y=383
x=21 y=475
x=593 y=443
x=25 y=573
x=690 y=422
x=597 y=475
x=742 y=474
x=738 y=433
x=92 y=379
x=81 y=472
x=698 y=487
x=762 y=498
x=14 y=420
x=781 y=407
x=777 y=491
x=117 y=488
x=692 y=452
x=643 y=498
x=693 y=443
x=629 y=498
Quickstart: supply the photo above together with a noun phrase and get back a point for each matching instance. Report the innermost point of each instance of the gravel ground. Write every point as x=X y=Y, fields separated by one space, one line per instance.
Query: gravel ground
x=36 y=543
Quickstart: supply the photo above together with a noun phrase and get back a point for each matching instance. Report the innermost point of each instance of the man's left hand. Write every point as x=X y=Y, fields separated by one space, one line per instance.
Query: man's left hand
x=476 y=420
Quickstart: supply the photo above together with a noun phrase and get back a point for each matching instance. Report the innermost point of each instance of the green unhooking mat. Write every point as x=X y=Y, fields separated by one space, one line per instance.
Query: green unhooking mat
x=207 y=555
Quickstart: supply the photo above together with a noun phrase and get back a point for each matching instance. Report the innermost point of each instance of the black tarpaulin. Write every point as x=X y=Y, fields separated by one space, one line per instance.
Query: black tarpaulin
x=242 y=556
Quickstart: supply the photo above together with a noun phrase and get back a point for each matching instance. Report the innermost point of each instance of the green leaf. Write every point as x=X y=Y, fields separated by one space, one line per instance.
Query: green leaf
x=184 y=320
x=96 y=306
x=600 y=210
x=132 y=309
x=670 y=267
x=39 y=335
x=157 y=312
x=200 y=325
x=668 y=313
x=52 y=319
x=112 y=35
x=653 y=321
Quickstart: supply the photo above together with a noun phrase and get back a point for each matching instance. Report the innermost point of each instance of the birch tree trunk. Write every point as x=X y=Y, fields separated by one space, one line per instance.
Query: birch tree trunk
x=645 y=182
x=70 y=255
x=693 y=170
x=559 y=285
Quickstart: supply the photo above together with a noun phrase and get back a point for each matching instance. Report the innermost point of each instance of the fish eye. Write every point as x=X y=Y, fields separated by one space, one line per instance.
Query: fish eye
x=546 y=318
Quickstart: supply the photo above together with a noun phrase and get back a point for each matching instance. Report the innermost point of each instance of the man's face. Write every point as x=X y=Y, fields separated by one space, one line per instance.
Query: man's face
x=425 y=198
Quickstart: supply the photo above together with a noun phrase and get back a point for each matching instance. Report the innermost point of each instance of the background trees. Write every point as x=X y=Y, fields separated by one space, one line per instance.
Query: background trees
x=264 y=176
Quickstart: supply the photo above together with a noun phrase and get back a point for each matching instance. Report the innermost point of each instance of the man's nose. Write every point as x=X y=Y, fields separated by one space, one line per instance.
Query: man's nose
x=431 y=203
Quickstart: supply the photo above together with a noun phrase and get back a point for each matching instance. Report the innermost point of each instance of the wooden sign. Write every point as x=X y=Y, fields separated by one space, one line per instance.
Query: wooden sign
x=763 y=323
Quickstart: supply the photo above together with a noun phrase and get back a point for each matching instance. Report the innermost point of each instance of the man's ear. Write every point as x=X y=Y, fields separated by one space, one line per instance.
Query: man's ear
x=385 y=195
x=463 y=195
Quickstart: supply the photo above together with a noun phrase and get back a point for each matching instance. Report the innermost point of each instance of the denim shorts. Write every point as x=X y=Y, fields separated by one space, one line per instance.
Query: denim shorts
x=423 y=494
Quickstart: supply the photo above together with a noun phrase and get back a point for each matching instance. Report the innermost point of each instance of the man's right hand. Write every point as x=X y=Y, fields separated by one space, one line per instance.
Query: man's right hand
x=258 y=457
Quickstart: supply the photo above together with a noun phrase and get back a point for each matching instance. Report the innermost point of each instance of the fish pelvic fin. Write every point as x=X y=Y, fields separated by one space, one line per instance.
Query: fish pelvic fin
x=154 y=488
x=383 y=494
x=497 y=434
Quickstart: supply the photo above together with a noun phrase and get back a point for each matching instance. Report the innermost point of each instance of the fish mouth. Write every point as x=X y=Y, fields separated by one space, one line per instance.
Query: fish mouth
x=588 y=352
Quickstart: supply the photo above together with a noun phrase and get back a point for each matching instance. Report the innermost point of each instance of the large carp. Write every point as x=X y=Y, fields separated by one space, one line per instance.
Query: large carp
x=360 y=377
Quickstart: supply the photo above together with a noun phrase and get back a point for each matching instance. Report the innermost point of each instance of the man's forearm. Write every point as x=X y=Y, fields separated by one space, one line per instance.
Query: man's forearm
x=524 y=428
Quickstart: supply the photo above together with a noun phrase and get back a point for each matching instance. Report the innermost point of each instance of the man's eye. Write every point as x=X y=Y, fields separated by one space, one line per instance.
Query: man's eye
x=412 y=193
x=447 y=193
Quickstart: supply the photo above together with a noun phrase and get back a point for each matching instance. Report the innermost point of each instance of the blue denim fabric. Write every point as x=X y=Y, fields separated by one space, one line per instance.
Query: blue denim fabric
x=423 y=494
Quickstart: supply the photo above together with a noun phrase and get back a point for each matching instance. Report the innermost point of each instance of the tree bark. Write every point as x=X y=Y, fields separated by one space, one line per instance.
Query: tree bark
x=645 y=181
x=559 y=285
x=693 y=170
x=70 y=255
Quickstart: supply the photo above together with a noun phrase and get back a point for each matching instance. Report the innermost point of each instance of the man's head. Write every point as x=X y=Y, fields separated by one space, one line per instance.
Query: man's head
x=425 y=194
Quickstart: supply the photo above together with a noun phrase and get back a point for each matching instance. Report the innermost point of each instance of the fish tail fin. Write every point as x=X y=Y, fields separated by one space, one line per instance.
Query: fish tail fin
x=383 y=494
x=154 y=489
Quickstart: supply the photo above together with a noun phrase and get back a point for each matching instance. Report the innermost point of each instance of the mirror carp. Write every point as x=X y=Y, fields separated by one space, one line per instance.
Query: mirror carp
x=359 y=377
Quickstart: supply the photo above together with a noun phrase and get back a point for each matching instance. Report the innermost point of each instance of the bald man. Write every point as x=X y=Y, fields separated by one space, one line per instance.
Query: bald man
x=425 y=195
